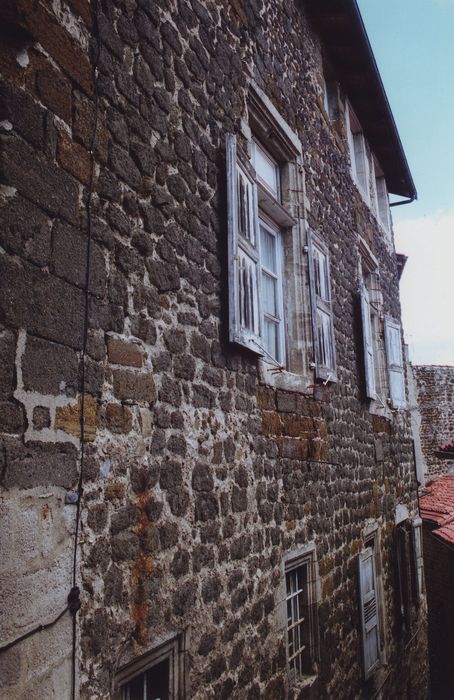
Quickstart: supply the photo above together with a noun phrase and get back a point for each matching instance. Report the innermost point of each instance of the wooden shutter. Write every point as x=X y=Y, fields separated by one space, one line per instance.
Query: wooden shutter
x=394 y=357
x=244 y=251
x=383 y=202
x=369 y=611
x=418 y=557
x=362 y=163
x=369 y=360
x=322 y=315
x=404 y=572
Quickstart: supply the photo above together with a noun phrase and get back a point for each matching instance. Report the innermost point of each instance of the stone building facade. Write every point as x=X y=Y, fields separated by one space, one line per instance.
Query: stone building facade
x=242 y=453
x=435 y=398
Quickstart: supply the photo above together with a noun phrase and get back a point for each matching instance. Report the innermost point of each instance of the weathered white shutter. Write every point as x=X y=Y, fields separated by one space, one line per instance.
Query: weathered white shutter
x=244 y=251
x=322 y=314
x=383 y=202
x=369 y=362
x=369 y=611
x=351 y=142
x=394 y=357
x=362 y=163
x=418 y=555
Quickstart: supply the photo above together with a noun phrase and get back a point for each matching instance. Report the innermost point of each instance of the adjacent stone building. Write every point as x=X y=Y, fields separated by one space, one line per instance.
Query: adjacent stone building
x=435 y=398
x=203 y=393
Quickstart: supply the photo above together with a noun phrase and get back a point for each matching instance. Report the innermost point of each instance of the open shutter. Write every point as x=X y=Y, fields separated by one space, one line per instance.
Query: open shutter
x=383 y=202
x=369 y=363
x=322 y=315
x=244 y=251
x=369 y=611
x=394 y=357
x=418 y=557
x=404 y=569
x=362 y=163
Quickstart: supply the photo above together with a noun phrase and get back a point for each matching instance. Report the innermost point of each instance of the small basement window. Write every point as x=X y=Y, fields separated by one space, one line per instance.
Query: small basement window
x=157 y=675
x=301 y=617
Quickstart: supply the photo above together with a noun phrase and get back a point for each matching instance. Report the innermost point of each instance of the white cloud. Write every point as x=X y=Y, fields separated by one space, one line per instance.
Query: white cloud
x=427 y=287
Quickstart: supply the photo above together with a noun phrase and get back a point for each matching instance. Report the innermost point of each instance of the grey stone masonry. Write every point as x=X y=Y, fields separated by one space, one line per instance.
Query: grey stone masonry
x=206 y=470
x=435 y=396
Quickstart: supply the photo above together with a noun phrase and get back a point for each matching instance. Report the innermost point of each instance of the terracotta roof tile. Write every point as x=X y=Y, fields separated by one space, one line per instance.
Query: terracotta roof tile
x=436 y=503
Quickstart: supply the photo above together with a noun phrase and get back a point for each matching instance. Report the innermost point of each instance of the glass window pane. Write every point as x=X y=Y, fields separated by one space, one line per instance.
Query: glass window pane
x=324 y=340
x=245 y=208
x=268 y=243
x=271 y=338
x=269 y=291
x=134 y=689
x=321 y=275
x=266 y=169
x=158 y=681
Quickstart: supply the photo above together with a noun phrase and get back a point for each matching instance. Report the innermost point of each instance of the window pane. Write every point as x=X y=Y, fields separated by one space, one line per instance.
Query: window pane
x=324 y=340
x=321 y=275
x=269 y=291
x=266 y=169
x=158 y=681
x=268 y=243
x=245 y=208
x=134 y=689
x=271 y=338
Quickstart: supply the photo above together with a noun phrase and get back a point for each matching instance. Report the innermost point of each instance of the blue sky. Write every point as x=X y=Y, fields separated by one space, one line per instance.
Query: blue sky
x=413 y=43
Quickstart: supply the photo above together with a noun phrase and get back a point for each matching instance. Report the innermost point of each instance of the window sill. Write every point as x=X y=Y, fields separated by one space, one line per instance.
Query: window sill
x=280 y=378
x=378 y=409
x=301 y=684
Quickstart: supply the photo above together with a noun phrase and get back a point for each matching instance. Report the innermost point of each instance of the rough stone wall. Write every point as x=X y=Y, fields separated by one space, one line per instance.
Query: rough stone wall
x=435 y=396
x=196 y=477
x=439 y=575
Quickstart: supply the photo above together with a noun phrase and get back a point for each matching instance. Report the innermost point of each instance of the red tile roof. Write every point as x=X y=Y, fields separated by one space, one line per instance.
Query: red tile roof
x=436 y=503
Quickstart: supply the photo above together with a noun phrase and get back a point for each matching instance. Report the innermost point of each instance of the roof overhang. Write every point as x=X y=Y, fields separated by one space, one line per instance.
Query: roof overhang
x=341 y=28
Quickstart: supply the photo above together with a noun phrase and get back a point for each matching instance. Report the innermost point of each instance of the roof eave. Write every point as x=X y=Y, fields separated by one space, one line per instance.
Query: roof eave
x=345 y=40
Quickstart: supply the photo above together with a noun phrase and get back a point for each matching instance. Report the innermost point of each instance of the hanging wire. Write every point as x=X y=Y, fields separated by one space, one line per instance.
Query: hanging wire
x=85 y=337
x=74 y=594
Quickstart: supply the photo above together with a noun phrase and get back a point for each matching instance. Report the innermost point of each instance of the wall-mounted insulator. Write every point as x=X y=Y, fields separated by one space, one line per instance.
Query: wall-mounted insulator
x=71 y=498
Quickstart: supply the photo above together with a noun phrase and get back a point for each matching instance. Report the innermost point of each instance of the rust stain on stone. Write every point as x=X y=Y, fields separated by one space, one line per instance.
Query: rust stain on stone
x=67 y=418
x=141 y=570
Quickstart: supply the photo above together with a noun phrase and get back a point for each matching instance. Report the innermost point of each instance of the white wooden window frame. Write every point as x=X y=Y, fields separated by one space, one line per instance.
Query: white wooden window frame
x=173 y=650
x=278 y=319
x=370 y=611
x=246 y=317
x=395 y=362
x=321 y=308
x=263 y=122
x=304 y=560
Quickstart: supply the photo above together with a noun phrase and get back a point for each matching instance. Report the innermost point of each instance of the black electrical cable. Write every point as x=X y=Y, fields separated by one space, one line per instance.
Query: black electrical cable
x=85 y=341
x=30 y=633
